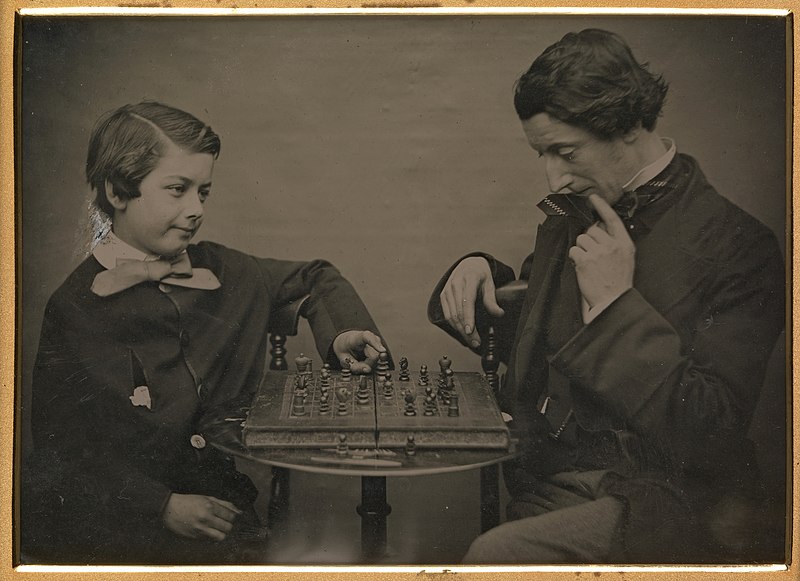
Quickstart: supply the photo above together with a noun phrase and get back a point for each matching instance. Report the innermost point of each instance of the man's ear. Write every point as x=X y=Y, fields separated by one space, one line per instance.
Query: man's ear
x=631 y=136
x=114 y=199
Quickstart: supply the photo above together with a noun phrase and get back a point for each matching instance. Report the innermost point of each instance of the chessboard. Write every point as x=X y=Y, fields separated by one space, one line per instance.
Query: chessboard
x=330 y=409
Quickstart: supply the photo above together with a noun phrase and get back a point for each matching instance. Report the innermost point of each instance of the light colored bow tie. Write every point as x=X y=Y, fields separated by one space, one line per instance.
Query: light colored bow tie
x=176 y=271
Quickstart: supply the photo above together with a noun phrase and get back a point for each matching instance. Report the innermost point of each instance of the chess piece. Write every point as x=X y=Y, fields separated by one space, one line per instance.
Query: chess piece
x=362 y=395
x=342 y=448
x=444 y=364
x=410 y=408
x=489 y=360
x=326 y=367
x=346 y=372
x=388 y=388
x=423 y=374
x=341 y=397
x=449 y=377
x=404 y=375
x=301 y=385
x=324 y=379
x=298 y=407
x=382 y=367
x=452 y=408
x=302 y=362
x=411 y=446
x=429 y=406
x=324 y=407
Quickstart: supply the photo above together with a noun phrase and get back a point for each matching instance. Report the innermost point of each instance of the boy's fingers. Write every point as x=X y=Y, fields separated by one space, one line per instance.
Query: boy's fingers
x=607 y=214
x=490 y=300
x=373 y=341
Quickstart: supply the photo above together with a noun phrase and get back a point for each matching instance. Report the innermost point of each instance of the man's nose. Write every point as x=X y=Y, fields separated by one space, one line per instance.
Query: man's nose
x=558 y=177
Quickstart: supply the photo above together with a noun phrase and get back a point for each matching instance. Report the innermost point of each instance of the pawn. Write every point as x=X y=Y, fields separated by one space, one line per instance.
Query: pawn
x=411 y=446
x=302 y=362
x=449 y=377
x=382 y=367
x=423 y=375
x=298 y=406
x=430 y=406
x=404 y=375
x=346 y=372
x=324 y=379
x=388 y=388
x=342 y=448
x=452 y=408
x=410 y=408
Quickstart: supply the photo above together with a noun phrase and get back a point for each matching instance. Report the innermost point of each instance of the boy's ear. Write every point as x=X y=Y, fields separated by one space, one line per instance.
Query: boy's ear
x=632 y=135
x=113 y=198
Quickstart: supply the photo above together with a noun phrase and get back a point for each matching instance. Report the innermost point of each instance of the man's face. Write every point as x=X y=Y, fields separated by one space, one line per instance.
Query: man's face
x=165 y=217
x=578 y=162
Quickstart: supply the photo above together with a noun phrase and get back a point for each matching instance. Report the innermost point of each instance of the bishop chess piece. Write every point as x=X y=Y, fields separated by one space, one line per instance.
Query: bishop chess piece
x=302 y=362
x=423 y=375
x=341 y=398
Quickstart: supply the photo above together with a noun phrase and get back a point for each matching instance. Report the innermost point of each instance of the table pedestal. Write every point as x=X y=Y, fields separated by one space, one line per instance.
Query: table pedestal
x=373 y=511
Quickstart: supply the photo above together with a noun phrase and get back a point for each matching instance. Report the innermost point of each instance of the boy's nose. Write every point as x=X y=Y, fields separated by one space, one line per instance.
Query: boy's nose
x=194 y=207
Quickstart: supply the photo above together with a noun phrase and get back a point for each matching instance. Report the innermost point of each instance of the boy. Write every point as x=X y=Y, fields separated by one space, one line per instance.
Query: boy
x=143 y=337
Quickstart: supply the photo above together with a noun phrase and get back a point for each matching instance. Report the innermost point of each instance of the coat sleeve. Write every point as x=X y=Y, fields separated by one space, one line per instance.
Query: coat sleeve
x=333 y=304
x=504 y=327
x=76 y=488
x=694 y=392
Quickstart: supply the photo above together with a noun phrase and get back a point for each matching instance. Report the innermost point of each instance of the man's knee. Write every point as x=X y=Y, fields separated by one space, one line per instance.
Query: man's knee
x=490 y=547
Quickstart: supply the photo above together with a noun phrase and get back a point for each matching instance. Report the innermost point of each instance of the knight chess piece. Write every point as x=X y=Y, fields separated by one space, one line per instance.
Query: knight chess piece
x=404 y=375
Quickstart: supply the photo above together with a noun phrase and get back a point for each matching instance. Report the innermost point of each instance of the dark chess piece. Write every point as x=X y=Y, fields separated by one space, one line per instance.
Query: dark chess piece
x=444 y=364
x=382 y=367
x=341 y=397
x=298 y=406
x=342 y=449
x=362 y=395
x=404 y=375
x=411 y=446
x=346 y=372
x=452 y=408
x=423 y=375
x=410 y=407
x=388 y=388
x=302 y=362
x=449 y=377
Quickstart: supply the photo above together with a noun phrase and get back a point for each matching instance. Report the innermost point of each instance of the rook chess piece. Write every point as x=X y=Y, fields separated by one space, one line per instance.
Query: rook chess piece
x=452 y=408
x=298 y=407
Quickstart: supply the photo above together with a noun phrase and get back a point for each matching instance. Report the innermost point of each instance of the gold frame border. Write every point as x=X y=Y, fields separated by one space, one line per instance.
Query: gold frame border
x=9 y=314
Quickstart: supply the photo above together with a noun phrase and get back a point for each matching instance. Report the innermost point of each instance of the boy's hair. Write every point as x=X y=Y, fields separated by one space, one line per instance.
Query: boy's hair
x=127 y=143
x=590 y=79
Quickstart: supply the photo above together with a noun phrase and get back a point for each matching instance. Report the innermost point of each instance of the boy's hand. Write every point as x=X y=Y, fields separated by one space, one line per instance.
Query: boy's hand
x=470 y=280
x=196 y=516
x=361 y=347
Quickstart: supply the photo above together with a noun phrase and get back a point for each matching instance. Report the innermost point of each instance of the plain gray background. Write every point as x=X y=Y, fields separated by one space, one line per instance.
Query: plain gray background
x=389 y=146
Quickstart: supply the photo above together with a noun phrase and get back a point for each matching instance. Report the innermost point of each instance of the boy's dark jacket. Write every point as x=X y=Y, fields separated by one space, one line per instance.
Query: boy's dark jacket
x=103 y=468
x=672 y=369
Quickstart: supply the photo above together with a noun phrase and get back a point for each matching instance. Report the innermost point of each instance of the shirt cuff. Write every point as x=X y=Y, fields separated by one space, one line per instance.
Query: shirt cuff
x=591 y=313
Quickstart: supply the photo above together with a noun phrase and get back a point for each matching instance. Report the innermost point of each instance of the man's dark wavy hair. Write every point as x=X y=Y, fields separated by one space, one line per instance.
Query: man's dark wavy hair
x=127 y=143
x=590 y=79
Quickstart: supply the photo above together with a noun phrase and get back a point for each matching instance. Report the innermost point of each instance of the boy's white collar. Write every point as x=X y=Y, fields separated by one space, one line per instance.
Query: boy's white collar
x=111 y=249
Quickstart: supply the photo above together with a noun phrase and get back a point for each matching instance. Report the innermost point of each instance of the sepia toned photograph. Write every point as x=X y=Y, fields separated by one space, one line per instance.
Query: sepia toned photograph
x=422 y=289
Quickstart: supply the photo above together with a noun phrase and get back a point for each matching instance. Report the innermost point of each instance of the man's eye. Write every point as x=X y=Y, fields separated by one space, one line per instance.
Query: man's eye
x=567 y=154
x=203 y=195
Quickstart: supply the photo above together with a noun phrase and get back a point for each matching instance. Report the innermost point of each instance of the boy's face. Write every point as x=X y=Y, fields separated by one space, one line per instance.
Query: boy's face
x=165 y=217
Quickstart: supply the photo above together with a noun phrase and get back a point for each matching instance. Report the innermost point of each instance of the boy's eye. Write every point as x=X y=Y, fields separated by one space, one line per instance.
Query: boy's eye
x=177 y=188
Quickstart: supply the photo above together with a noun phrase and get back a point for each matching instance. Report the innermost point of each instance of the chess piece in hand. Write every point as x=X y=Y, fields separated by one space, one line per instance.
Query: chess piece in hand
x=603 y=257
x=470 y=280
x=362 y=347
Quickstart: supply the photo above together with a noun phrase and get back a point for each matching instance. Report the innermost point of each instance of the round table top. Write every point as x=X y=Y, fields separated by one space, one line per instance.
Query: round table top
x=226 y=435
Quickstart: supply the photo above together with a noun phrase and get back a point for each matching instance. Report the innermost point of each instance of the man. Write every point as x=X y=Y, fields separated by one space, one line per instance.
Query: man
x=637 y=356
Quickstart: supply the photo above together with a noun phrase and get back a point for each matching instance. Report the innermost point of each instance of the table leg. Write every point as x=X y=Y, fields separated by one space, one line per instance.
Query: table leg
x=490 y=497
x=278 y=508
x=373 y=511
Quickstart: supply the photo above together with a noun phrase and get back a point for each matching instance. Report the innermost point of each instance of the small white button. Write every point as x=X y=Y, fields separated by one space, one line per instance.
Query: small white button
x=198 y=441
x=164 y=288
